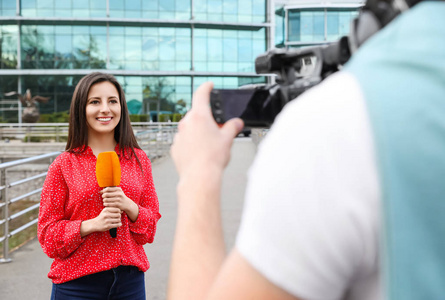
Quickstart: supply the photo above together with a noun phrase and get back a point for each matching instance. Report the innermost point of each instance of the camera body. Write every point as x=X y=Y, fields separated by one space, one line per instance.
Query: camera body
x=251 y=105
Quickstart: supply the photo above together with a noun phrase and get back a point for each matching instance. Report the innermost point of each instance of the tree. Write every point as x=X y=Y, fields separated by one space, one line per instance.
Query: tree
x=158 y=91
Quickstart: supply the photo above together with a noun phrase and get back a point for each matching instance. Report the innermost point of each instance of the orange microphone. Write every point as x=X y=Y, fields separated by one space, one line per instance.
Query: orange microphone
x=108 y=173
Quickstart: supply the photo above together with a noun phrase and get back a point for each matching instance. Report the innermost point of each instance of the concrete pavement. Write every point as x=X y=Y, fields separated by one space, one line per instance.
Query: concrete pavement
x=26 y=276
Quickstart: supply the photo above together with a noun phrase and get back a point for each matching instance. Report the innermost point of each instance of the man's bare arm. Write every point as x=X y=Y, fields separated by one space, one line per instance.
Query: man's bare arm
x=201 y=151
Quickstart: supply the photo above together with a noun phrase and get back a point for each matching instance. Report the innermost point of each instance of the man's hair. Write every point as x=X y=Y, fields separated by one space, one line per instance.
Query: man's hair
x=411 y=3
x=386 y=10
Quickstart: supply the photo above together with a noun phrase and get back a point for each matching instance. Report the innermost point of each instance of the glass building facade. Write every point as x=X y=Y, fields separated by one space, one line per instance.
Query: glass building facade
x=159 y=50
x=309 y=23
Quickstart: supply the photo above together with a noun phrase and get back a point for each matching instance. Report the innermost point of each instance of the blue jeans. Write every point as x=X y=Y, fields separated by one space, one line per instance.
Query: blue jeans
x=123 y=282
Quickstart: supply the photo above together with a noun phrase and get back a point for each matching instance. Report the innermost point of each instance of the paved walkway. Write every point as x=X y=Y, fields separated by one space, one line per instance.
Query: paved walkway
x=25 y=277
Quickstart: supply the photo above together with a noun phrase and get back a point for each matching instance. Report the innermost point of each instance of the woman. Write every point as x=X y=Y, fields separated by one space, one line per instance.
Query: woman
x=76 y=214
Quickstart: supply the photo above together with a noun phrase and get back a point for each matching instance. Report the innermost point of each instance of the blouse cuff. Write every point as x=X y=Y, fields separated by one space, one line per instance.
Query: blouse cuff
x=72 y=235
x=143 y=222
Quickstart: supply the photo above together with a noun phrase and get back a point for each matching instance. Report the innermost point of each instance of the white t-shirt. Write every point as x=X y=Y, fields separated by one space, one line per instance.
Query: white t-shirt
x=312 y=212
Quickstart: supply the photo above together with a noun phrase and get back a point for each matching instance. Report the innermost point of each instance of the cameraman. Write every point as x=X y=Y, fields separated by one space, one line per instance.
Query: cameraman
x=345 y=197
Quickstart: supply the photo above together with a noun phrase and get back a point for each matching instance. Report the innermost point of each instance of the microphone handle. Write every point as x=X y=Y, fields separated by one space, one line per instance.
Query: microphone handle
x=113 y=232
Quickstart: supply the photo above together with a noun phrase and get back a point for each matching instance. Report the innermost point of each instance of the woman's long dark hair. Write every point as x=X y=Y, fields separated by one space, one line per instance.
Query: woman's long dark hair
x=78 y=128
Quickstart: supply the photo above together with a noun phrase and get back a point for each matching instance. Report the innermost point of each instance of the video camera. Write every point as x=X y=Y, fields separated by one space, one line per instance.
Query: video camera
x=297 y=70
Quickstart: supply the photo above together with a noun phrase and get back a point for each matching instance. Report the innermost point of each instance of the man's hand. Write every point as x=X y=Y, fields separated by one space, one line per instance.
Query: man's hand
x=200 y=144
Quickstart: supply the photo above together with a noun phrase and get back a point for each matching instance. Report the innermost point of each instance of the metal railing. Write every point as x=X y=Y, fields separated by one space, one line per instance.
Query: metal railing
x=156 y=142
x=154 y=139
x=34 y=132
x=58 y=132
x=6 y=200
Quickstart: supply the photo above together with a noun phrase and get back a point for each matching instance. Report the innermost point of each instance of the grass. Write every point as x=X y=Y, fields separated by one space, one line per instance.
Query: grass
x=21 y=238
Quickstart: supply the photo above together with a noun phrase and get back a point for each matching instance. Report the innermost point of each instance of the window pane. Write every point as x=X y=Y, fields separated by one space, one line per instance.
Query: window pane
x=81 y=49
x=200 y=6
x=166 y=48
x=8 y=44
x=332 y=23
x=150 y=5
x=216 y=49
x=214 y=7
x=344 y=20
x=319 y=26
x=245 y=7
x=45 y=4
x=150 y=48
x=307 y=26
x=96 y=4
x=28 y=3
x=133 y=5
x=259 y=8
x=200 y=49
x=245 y=50
x=294 y=26
x=117 y=4
x=167 y=5
x=63 y=45
x=116 y=48
x=230 y=50
x=183 y=48
x=8 y=84
x=81 y=30
x=7 y=8
x=230 y=7
x=81 y=4
x=98 y=44
x=259 y=47
x=133 y=46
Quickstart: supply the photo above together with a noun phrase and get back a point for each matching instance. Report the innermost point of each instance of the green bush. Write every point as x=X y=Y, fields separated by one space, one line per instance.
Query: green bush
x=135 y=118
x=44 y=139
x=44 y=118
x=177 y=117
x=9 y=119
x=58 y=117
x=144 y=118
x=165 y=117
x=139 y=118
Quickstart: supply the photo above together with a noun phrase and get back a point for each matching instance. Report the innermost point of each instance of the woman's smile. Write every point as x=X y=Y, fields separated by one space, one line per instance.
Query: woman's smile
x=104 y=119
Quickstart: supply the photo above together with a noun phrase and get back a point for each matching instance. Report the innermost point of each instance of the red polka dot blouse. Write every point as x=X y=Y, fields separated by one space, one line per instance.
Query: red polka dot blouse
x=71 y=194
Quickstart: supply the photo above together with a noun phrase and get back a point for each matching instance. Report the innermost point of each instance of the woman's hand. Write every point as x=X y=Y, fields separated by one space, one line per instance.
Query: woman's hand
x=109 y=217
x=115 y=197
